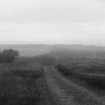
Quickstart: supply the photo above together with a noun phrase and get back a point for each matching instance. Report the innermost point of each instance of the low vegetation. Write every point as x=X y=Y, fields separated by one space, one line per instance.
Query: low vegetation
x=22 y=82
x=96 y=80
x=67 y=92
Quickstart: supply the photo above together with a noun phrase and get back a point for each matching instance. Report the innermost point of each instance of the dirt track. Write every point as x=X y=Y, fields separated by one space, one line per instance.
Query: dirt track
x=65 y=92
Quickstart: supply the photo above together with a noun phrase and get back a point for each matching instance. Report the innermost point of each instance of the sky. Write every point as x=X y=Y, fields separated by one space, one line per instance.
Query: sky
x=52 y=21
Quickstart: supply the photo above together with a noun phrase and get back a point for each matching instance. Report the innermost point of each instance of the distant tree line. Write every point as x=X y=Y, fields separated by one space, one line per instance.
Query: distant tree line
x=8 y=55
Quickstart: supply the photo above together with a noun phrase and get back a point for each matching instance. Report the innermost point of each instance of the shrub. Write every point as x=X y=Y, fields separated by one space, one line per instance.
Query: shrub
x=62 y=69
x=8 y=56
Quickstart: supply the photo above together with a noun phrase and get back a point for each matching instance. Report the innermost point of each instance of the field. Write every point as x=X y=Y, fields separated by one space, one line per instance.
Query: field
x=60 y=77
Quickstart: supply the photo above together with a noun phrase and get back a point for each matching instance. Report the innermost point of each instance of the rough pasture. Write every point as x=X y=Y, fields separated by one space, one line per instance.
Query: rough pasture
x=92 y=79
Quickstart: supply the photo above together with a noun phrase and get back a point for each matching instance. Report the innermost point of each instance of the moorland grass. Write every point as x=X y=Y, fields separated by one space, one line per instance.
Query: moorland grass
x=21 y=85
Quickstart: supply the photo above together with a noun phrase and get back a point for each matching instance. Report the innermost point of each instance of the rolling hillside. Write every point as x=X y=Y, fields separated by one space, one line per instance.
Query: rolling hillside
x=61 y=50
x=29 y=49
x=78 y=51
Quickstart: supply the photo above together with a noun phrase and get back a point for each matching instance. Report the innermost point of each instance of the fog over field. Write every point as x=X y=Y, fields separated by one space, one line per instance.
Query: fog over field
x=52 y=22
x=52 y=52
x=30 y=50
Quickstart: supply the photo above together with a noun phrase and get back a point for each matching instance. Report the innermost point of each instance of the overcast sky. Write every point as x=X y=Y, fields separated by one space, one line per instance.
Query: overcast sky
x=52 y=21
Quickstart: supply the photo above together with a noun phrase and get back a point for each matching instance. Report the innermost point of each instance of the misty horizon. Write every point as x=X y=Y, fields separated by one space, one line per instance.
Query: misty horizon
x=35 y=43
x=52 y=22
